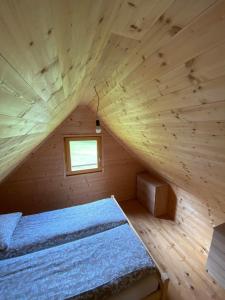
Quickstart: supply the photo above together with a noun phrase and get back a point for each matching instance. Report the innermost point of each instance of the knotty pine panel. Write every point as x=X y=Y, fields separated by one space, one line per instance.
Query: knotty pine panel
x=53 y=53
x=170 y=108
x=197 y=216
x=40 y=183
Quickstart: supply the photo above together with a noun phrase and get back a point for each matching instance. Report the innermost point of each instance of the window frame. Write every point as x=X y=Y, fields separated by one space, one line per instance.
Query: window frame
x=68 y=168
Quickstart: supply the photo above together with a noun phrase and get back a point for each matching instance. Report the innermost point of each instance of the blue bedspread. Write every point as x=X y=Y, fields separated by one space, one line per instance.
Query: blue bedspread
x=94 y=267
x=40 y=231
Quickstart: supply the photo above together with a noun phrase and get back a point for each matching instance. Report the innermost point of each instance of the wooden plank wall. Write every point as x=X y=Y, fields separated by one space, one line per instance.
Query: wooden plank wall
x=53 y=53
x=48 y=52
x=170 y=108
x=158 y=67
x=40 y=183
x=196 y=216
x=168 y=99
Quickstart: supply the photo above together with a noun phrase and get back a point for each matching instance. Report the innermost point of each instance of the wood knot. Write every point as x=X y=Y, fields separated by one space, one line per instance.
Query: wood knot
x=131 y=4
x=191 y=77
x=136 y=28
x=44 y=70
x=161 y=18
x=190 y=63
x=123 y=88
x=100 y=20
x=174 y=30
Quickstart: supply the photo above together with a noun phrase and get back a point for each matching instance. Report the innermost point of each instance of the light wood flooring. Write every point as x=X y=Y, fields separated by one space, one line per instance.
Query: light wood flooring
x=176 y=253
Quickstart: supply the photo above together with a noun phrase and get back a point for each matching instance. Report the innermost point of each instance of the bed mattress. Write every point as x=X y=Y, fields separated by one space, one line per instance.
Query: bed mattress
x=44 y=230
x=95 y=267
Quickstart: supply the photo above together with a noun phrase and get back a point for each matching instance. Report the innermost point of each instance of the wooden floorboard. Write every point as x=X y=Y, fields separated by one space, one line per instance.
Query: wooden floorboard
x=176 y=253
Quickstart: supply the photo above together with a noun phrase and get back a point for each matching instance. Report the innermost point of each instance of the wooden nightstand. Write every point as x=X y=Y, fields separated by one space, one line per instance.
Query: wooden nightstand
x=153 y=194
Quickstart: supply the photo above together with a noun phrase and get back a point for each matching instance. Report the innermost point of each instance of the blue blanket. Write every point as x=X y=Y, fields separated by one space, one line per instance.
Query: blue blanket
x=94 y=267
x=40 y=231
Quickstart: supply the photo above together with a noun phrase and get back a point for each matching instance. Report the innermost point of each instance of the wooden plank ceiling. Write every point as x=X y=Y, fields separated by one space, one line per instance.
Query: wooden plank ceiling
x=158 y=67
x=164 y=95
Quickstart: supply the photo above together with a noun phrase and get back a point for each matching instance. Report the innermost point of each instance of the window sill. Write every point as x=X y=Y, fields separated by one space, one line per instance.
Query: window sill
x=83 y=172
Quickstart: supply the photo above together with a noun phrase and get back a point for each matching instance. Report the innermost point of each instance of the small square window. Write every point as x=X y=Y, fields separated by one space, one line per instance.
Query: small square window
x=83 y=154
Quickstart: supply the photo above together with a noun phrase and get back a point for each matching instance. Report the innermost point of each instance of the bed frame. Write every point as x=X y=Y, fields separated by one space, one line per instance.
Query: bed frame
x=161 y=293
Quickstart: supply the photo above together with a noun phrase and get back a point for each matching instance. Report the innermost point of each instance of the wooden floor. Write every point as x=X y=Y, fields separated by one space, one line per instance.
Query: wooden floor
x=176 y=254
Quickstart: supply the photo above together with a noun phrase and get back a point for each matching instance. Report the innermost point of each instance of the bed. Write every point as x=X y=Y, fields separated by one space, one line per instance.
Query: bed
x=47 y=229
x=94 y=267
x=111 y=264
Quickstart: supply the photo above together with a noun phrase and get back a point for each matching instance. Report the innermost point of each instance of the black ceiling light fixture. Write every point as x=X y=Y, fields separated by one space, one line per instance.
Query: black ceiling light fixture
x=98 y=125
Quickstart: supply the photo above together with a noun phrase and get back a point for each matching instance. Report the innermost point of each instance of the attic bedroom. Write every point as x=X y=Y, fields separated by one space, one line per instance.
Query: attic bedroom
x=112 y=149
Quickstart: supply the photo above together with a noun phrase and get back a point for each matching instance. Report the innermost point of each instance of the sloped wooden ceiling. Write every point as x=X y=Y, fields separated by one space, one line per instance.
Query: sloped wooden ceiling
x=157 y=65
x=48 y=52
x=165 y=96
